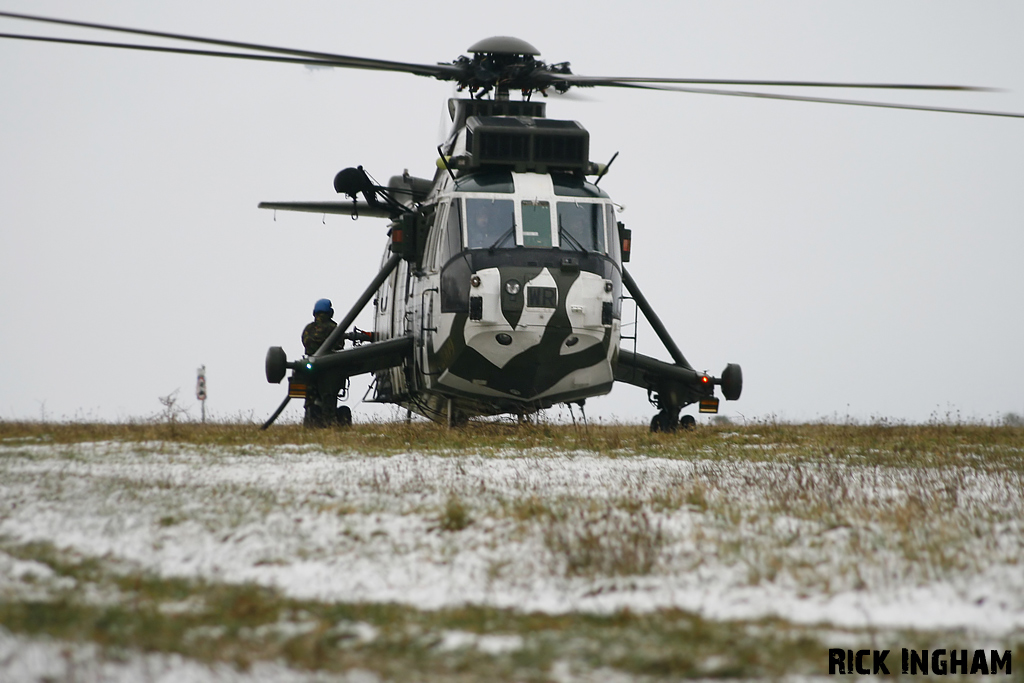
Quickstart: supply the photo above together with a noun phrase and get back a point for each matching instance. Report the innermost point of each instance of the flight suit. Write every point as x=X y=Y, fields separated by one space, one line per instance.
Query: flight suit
x=316 y=332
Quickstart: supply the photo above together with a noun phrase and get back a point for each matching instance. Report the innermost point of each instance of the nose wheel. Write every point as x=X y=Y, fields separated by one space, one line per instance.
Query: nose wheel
x=344 y=416
x=668 y=420
x=322 y=410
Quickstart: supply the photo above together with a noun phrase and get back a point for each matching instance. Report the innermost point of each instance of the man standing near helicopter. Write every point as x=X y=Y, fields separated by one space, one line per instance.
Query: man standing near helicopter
x=316 y=332
x=321 y=407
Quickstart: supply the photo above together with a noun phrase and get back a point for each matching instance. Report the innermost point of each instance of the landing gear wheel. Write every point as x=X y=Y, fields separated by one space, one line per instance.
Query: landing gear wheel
x=344 y=416
x=314 y=417
x=664 y=421
x=732 y=382
x=276 y=364
x=687 y=422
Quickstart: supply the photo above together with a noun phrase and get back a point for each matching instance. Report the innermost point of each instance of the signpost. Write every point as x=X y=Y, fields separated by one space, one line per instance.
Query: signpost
x=201 y=390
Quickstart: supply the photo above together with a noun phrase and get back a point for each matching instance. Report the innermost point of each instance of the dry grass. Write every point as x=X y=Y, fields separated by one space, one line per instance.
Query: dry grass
x=455 y=516
x=244 y=624
x=881 y=443
x=609 y=542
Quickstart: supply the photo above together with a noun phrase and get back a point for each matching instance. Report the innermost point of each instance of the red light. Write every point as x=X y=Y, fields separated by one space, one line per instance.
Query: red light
x=704 y=379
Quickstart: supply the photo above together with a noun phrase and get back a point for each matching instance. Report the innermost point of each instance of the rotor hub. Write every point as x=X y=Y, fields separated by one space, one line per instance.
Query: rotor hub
x=505 y=63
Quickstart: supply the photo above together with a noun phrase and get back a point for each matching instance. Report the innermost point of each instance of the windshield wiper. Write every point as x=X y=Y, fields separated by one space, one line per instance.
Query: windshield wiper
x=501 y=240
x=562 y=232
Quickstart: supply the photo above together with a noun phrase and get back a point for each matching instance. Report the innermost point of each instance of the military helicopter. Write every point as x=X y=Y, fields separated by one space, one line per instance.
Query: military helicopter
x=501 y=287
x=503 y=281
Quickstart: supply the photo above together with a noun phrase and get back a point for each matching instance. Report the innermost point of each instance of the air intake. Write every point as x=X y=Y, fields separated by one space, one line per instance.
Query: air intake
x=527 y=144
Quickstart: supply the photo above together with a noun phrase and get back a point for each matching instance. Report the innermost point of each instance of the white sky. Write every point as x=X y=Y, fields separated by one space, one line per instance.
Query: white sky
x=854 y=261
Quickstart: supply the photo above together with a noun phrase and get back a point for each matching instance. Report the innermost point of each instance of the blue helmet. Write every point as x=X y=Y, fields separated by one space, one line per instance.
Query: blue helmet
x=323 y=306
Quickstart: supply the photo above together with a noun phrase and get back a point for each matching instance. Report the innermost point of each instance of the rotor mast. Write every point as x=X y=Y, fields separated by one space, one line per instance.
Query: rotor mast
x=501 y=63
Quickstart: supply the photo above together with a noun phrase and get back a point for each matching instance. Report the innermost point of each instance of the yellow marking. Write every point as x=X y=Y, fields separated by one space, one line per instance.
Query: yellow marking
x=709 y=405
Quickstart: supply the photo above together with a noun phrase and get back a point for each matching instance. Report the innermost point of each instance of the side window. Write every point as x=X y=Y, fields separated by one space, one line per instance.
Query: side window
x=452 y=241
x=490 y=223
x=430 y=259
x=612 y=228
x=536 y=224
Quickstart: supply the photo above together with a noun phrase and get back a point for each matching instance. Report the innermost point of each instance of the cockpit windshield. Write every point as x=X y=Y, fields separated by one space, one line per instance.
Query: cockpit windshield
x=568 y=224
x=536 y=224
x=488 y=222
x=581 y=226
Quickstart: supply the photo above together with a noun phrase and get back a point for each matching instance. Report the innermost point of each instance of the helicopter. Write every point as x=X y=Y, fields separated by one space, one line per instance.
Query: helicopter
x=502 y=285
x=501 y=288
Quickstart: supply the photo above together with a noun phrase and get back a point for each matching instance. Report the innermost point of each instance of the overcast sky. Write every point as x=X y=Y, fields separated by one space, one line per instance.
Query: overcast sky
x=856 y=262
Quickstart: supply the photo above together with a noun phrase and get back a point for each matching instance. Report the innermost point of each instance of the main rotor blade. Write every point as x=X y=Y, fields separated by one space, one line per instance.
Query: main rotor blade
x=176 y=50
x=590 y=81
x=441 y=71
x=824 y=100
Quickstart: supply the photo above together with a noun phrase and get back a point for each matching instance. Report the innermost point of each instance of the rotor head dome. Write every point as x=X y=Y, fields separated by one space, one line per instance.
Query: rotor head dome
x=503 y=45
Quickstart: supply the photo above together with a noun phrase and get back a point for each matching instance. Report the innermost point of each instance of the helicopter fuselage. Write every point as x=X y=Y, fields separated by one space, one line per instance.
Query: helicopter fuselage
x=515 y=305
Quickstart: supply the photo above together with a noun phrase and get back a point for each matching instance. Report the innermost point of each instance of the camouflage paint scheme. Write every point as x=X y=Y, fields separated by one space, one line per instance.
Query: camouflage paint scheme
x=552 y=340
x=547 y=344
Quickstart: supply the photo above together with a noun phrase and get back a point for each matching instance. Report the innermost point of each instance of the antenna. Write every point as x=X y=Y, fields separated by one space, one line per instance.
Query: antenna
x=606 y=167
x=445 y=162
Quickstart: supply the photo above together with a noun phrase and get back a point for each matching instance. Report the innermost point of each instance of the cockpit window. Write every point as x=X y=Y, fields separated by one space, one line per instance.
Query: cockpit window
x=536 y=224
x=573 y=186
x=493 y=181
x=581 y=226
x=490 y=223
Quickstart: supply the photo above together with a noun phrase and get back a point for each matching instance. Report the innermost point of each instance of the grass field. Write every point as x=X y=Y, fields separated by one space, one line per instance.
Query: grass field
x=407 y=552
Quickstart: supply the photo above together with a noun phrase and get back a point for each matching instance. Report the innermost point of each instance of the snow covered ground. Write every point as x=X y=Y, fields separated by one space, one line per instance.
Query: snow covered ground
x=555 y=532
x=349 y=528
x=22 y=659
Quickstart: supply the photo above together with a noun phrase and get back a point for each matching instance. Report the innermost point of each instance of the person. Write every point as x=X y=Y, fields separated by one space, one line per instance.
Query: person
x=484 y=228
x=316 y=332
x=321 y=404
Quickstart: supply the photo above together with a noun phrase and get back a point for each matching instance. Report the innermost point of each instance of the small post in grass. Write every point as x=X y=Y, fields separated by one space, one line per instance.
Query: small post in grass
x=201 y=390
